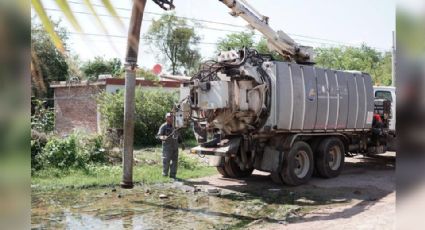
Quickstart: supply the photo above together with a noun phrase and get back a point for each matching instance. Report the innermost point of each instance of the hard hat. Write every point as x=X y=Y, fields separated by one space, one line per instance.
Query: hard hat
x=168 y=115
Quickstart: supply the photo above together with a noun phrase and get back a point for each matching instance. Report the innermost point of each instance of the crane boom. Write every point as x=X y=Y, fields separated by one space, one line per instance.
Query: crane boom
x=279 y=41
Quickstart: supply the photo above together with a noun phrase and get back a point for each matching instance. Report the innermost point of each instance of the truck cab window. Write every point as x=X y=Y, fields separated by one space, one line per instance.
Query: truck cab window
x=384 y=95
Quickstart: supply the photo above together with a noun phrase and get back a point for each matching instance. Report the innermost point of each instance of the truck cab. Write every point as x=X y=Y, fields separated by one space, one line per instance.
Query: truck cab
x=388 y=93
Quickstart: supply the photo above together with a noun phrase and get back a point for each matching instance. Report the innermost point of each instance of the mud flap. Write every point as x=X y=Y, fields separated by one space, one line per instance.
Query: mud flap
x=215 y=161
x=272 y=160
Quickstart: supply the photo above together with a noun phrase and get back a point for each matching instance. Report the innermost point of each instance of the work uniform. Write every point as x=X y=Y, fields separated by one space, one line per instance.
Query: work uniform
x=170 y=151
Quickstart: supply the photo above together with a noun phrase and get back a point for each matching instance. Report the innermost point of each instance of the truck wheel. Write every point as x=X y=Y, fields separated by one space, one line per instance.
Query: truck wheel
x=232 y=169
x=222 y=171
x=330 y=157
x=298 y=164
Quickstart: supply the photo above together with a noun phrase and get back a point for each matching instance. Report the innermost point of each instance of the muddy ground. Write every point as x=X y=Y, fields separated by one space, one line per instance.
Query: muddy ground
x=363 y=197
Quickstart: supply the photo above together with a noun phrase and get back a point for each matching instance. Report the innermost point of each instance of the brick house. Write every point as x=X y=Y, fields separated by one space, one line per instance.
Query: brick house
x=75 y=103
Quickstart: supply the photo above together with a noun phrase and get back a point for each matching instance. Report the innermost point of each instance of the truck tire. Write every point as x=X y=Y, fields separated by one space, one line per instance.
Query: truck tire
x=330 y=157
x=234 y=171
x=222 y=171
x=298 y=164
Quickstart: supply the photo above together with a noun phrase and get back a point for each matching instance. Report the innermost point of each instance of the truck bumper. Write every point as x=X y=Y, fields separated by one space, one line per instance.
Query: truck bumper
x=227 y=149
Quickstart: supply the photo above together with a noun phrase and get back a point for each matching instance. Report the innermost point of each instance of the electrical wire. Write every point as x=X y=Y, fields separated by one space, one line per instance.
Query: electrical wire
x=312 y=39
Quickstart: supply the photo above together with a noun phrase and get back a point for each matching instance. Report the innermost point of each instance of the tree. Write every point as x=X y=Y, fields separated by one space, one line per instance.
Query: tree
x=263 y=48
x=146 y=74
x=48 y=63
x=92 y=69
x=237 y=41
x=176 y=42
x=364 y=58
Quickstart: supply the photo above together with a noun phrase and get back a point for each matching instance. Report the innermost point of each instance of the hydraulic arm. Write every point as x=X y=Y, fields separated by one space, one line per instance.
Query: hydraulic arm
x=277 y=41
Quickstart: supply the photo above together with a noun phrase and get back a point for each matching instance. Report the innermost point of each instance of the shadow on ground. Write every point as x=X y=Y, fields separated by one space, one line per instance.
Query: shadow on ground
x=363 y=182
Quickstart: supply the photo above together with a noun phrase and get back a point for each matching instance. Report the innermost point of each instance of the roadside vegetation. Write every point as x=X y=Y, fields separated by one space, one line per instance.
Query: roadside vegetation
x=80 y=160
x=147 y=170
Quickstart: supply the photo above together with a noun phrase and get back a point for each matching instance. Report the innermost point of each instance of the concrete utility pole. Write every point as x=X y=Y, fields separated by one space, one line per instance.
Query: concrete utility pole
x=394 y=60
x=130 y=85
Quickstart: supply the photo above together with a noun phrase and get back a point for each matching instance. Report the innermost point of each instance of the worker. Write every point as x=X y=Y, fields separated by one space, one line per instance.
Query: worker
x=170 y=138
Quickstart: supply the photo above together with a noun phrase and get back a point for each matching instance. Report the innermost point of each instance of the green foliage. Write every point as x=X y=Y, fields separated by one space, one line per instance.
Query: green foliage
x=188 y=162
x=365 y=59
x=151 y=106
x=176 y=42
x=60 y=153
x=146 y=74
x=236 y=41
x=96 y=176
x=147 y=170
x=140 y=73
x=91 y=147
x=48 y=63
x=92 y=69
x=74 y=151
x=43 y=119
x=262 y=48
x=38 y=141
x=111 y=106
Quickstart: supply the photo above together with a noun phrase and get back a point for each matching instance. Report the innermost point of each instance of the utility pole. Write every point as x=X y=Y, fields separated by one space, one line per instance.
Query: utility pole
x=133 y=40
x=394 y=61
x=130 y=86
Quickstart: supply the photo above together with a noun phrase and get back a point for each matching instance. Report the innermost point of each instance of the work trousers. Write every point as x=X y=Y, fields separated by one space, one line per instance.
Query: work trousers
x=169 y=162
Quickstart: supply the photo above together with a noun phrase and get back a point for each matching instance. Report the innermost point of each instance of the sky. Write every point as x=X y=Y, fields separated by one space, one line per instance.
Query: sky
x=309 y=22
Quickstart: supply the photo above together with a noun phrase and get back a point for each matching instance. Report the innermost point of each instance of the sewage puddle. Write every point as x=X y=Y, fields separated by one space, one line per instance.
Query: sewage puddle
x=166 y=206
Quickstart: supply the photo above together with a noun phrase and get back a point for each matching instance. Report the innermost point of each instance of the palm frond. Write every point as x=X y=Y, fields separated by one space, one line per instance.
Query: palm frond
x=48 y=25
x=90 y=6
x=111 y=9
x=64 y=6
x=99 y=21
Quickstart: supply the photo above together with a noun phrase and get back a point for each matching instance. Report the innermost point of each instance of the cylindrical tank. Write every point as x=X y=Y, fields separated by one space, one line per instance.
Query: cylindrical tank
x=308 y=98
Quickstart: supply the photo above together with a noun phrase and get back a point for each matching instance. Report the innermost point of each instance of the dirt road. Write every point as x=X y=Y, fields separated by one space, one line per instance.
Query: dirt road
x=362 y=197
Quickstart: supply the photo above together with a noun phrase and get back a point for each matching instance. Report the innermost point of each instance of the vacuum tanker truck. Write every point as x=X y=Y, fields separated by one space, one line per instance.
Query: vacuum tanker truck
x=288 y=118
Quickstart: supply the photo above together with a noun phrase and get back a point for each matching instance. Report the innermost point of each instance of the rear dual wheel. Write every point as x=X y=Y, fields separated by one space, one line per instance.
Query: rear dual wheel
x=330 y=157
x=231 y=169
x=297 y=167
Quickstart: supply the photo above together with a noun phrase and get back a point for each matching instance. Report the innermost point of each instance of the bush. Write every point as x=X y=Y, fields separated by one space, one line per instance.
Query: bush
x=92 y=148
x=188 y=163
x=60 y=153
x=38 y=141
x=43 y=119
x=74 y=151
x=151 y=107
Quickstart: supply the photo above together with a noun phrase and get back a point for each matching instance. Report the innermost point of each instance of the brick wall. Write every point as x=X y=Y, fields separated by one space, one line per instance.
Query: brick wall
x=76 y=108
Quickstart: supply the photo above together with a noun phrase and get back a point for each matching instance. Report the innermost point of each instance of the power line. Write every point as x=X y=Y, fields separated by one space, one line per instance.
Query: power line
x=159 y=14
x=145 y=20
x=314 y=40
x=323 y=40
x=125 y=37
x=195 y=43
